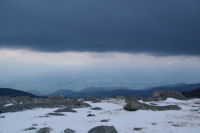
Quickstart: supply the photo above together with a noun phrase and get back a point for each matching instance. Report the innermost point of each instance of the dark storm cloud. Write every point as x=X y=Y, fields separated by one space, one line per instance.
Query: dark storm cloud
x=167 y=27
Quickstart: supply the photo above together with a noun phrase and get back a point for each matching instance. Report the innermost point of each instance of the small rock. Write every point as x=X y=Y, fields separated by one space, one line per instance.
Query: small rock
x=43 y=116
x=176 y=125
x=55 y=114
x=2 y=116
x=105 y=120
x=103 y=129
x=137 y=128
x=45 y=130
x=69 y=131
x=90 y=115
x=154 y=123
x=30 y=128
x=96 y=108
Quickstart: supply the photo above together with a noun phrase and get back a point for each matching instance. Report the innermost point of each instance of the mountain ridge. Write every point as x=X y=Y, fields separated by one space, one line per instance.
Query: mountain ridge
x=123 y=91
x=14 y=92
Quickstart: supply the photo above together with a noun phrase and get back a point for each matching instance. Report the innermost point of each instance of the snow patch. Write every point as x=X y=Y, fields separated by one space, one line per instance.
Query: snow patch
x=10 y=104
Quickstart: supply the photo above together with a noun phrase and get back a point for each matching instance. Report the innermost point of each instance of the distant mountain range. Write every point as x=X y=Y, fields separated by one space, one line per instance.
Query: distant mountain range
x=13 y=92
x=122 y=91
x=34 y=92
x=102 y=91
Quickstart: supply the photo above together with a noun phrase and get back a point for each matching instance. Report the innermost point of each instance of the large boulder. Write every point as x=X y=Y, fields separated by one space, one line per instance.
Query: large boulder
x=103 y=129
x=135 y=105
x=164 y=94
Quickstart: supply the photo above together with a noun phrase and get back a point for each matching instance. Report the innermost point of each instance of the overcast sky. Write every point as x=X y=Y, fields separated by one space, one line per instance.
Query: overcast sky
x=154 y=41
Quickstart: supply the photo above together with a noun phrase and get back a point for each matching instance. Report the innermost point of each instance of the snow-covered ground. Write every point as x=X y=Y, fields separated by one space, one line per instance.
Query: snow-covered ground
x=186 y=120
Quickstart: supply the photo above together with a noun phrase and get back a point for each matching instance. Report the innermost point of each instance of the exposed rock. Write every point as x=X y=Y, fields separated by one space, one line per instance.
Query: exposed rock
x=56 y=114
x=24 y=102
x=69 y=131
x=90 y=115
x=30 y=128
x=92 y=99
x=2 y=116
x=164 y=94
x=135 y=105
x=103 y=129
x=163 y=108
x=137 y=128
x=43 y=116
x=96 y=108
x=65 y=110
x=105 y=120
x=154 y=123
x=45 y=130
x=177 y=125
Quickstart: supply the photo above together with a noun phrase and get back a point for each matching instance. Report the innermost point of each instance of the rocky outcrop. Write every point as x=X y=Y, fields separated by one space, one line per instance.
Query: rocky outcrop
x=103 y=129
x=164 y=94
x=135 y=105
x=23 y=103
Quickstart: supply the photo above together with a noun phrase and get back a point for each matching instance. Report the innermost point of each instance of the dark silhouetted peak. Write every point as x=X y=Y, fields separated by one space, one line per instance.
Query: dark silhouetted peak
x=13 y=92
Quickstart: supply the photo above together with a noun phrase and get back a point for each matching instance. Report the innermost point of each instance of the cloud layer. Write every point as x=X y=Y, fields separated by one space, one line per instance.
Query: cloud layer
x=158 y=27
x=26 y=69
